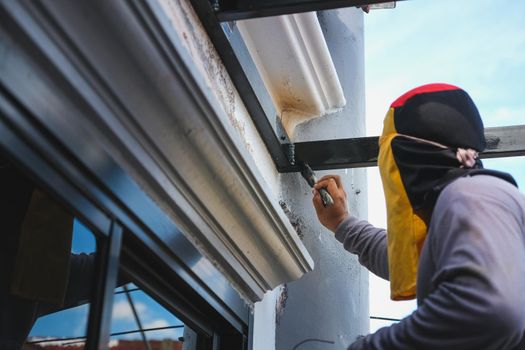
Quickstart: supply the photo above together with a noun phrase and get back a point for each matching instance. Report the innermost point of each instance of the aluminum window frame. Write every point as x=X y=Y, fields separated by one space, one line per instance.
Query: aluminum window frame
x=37 y=153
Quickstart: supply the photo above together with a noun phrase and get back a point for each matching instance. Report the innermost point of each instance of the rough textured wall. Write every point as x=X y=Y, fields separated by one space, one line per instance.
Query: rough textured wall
x=329 y=305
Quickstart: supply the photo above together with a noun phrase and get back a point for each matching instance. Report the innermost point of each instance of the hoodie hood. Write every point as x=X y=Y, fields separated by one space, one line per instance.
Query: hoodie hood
x=431 y=136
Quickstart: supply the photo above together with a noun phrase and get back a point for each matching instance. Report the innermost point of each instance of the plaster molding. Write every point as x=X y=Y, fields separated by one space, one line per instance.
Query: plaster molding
x=132 y=85
x=293 y=60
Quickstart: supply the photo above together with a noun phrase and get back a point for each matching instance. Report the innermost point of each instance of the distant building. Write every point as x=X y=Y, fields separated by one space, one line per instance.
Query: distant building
x=116 y=345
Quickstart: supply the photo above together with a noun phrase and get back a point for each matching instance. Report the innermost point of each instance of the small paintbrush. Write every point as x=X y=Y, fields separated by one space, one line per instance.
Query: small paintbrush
x=310 y=177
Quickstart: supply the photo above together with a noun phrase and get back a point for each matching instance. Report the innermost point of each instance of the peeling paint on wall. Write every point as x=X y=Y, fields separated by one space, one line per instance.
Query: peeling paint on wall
x=207 y=61
x=294 y=220
x=281 y=303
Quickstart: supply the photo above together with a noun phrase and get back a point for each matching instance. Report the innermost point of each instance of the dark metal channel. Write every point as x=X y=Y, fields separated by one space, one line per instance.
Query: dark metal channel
x=102 y=305
x=214 y=29
x=336 y=154
x=230 y=10
x=508 y=141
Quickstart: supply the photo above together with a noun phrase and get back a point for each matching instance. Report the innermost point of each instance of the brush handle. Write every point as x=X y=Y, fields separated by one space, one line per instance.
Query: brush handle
x=326 y=198
x=310 y=177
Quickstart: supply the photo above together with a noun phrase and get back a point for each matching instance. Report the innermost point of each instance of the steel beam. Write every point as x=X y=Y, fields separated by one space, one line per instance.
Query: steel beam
x=506 y=141
x=231 y=10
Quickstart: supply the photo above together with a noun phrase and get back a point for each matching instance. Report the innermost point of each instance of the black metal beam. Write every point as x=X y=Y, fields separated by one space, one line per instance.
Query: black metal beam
x=335 y=154
x=506 y=141
x=231 y=10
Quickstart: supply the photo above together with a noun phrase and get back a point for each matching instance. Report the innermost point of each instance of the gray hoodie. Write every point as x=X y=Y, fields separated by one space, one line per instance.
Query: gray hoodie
x=471 y=276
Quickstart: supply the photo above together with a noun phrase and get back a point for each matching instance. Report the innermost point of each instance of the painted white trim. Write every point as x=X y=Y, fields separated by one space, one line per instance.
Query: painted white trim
x=293 y=60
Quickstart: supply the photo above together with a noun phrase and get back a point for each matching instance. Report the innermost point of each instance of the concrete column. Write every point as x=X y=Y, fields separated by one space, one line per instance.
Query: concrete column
x=328 y=308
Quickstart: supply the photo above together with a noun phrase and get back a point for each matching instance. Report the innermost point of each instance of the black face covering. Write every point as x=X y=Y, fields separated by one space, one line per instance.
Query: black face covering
x=426 y=169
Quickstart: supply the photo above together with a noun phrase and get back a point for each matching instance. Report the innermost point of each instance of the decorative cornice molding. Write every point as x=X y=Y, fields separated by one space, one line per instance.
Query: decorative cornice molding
x=130 y=83
x=293 y=60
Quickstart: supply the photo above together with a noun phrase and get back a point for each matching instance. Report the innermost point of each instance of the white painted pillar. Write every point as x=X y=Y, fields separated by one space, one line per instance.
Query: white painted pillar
x=328 y=308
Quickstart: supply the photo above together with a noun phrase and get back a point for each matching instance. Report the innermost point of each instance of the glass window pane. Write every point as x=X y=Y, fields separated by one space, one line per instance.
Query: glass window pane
x=139 y=322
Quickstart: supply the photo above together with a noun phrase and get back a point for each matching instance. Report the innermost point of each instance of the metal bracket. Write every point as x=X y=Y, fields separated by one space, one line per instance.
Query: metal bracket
x=287 y=145
x=215 y=5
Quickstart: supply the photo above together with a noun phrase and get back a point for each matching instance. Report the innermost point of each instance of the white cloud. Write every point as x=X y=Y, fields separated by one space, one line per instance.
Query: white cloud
x=157 y=324
x=122 y=310
x=162 y=334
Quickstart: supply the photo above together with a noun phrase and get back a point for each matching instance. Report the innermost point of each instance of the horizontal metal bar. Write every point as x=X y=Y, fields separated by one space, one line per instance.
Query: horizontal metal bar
x=335 y=154
x=384 y=318
x=127 y=291
x=508 y=141
x=231 y=10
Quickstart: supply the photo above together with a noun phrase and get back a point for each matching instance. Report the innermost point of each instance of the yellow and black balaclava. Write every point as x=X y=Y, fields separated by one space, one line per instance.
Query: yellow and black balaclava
x=431 y=136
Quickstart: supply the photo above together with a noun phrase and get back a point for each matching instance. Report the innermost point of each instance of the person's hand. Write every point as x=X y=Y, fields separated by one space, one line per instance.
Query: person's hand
x=333 y=215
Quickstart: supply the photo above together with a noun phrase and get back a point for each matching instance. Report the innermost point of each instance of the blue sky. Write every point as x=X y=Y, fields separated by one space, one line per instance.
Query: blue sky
x=478 y=45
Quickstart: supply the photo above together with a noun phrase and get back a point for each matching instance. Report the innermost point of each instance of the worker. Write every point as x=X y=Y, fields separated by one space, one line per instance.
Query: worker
x=455 y=235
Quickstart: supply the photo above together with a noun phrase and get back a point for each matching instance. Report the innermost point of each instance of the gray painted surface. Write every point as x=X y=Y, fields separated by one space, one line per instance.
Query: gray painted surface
x=190 y=339
x=329 y=304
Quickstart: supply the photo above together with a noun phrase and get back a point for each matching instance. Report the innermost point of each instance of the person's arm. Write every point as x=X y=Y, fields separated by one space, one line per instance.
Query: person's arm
x=358 y=236
x=477 y=246
x=368 y=242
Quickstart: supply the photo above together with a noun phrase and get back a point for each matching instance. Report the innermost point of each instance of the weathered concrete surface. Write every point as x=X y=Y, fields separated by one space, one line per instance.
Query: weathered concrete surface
x=328 y=308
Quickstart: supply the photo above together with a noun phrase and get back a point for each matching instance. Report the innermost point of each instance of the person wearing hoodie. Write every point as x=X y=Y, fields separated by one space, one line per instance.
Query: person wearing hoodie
x=455 y=237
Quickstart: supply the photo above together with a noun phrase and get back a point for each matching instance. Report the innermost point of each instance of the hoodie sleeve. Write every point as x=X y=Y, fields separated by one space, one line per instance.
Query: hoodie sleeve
x=368 y=242
x=476 y=242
